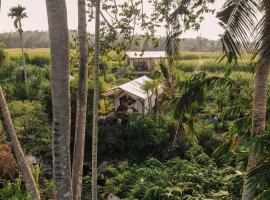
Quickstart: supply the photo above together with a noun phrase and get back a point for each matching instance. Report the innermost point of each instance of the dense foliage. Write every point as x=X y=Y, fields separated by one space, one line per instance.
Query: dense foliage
x=206 y=162
x=174 y=179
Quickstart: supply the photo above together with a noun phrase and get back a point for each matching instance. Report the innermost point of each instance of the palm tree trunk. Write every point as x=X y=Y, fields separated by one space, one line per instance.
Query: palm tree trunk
x=95 y=103
x=259 y=101
x=23 y=65
x=30 y=184
x=59 y=41
x=258 y=119
x=78 y=155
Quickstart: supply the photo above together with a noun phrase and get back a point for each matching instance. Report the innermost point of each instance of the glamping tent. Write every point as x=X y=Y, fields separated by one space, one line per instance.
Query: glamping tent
x=131 y=97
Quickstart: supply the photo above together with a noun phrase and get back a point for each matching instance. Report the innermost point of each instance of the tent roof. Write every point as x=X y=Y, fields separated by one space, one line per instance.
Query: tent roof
x=146 y=54
x=133 y=87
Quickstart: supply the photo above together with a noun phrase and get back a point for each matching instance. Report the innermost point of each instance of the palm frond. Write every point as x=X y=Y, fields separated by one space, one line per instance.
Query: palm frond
x=164 y=70
x=262 y=39
x=193 y=92
x=238 y=19
x=234 y=112
x=259 y=176
x=173 y=20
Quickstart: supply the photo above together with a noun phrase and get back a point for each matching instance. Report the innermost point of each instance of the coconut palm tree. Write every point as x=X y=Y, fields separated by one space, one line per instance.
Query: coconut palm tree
x=9 y=128
x=18 y=14
x=239 y=21
x=95 y=102
x=30 y=184
x=78 y=155
x=59 y=41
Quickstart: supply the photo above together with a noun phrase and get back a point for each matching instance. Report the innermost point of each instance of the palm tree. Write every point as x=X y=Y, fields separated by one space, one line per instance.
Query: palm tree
x=78 y=155
x=9 y=128
x=95 y=102
x=59 y=40
x=239 y=21
x=238 y=18
x=18 y=14
x=24 y=167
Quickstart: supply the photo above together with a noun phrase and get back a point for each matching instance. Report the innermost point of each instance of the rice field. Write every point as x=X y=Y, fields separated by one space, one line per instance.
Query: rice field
x=187 y=61
x=210 y=62
x=31 y=52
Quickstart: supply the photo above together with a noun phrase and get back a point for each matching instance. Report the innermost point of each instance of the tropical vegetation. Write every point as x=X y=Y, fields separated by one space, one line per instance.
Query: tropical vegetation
x=206 y=138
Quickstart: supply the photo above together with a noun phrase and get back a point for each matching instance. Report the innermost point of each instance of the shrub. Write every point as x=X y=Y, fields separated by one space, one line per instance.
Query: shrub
x=111 y=78
x=186 y=67
x=3 y=57
x=174 y=179
x=135 y=138
x=39 y=61
x=14 y=190
x=12 y=81
x=8 y=167
x=31 y=125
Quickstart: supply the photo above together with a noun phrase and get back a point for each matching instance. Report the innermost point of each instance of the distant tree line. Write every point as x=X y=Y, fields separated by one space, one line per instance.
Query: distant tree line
x=40 y=39
x=32 y=39
x=199 y=44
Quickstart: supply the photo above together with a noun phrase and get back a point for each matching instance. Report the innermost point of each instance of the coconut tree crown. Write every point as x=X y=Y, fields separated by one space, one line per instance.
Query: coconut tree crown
x=18 y=13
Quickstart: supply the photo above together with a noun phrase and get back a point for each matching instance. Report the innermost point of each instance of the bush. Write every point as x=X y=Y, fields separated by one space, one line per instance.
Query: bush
x=12 y=81
x=14 y=190
x=135 y=138
x=186 y=67
x=3 y=57
x=111 y=78
x=31 y=125
x=39 y=61
x=8 y=166
x=174 y=179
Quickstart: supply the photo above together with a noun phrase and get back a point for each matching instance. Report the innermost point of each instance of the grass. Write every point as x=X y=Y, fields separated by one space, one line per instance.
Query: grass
x=208 y=61
x=15 y=53
x=198 y=55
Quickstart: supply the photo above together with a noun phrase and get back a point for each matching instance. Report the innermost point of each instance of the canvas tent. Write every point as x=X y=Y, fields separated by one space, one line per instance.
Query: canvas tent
x=131 y=97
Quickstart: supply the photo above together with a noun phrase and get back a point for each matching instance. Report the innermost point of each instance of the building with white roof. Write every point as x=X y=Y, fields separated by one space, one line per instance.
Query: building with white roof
x=131 y=97
x=144 y=61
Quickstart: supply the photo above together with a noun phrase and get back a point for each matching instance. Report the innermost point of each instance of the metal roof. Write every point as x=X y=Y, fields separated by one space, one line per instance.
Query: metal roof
x=133 y=87
x=146 y=54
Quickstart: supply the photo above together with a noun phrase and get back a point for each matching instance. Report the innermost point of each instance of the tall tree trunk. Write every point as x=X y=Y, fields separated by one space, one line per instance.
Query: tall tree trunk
x=259 y=100
x=78 y=155
x=59 y=42
x=30 y=184
x=95 y=103
x=23 y=65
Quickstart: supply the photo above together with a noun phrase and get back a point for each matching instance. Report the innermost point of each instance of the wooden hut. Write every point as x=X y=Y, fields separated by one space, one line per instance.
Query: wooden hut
x=144 y=61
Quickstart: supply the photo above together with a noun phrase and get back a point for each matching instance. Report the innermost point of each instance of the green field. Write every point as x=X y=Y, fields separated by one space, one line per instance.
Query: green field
x=187 y=61
x=210 y=62
x=31 y=52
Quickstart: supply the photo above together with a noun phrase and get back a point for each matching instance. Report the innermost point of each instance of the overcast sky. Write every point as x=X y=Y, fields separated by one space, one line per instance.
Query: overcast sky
x=37 y=20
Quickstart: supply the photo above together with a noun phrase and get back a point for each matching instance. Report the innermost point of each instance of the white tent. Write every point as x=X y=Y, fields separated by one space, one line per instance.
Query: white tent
x=132 y=97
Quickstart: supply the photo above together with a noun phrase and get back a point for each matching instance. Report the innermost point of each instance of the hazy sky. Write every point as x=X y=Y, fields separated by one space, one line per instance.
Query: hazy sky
x=37 y=20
